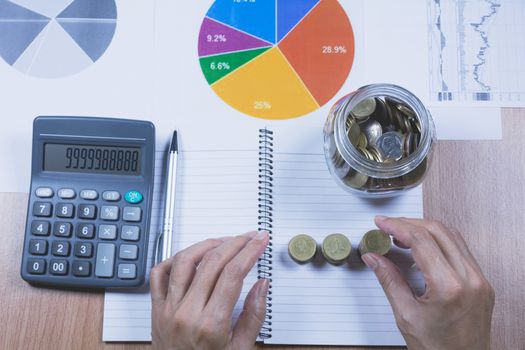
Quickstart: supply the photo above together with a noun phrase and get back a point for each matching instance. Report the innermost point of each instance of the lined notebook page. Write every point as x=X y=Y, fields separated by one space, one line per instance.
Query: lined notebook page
x=319 y=303
x=216 y=196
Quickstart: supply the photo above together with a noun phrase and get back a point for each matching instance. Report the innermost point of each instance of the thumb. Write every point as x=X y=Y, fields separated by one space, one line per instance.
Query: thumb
x=396 y=287
x=252 y=316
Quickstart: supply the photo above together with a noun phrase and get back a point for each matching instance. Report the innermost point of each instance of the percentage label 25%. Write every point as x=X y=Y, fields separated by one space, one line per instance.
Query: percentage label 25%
x=262 y=105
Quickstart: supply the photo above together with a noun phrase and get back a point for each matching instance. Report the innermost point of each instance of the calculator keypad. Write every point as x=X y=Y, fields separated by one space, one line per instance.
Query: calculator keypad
x=85 y=236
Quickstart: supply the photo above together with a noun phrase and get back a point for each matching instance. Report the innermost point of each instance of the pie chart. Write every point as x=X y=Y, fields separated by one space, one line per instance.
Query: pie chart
x=276 y=59
x=58 y=38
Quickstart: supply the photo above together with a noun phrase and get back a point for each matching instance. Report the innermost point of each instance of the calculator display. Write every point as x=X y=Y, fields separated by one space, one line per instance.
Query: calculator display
x=92 y=159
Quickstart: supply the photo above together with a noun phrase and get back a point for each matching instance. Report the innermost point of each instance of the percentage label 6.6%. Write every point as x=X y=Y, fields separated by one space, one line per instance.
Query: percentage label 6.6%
x=220 y=66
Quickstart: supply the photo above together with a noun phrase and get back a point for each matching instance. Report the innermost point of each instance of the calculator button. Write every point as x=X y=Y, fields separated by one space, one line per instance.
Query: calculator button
x=90 y=195
x=66 y=193
x=132 y=214
x=38 y=247
x=127 y=271
x=58 y=267
x=133 y=197
x=44 y=192
x=65 y=210
x=107 y=232
x=111 y=196
x=81 y=268
x=128 y=252
x=87 y=211
x=59 y=248
x=86 y=231
x=84 y=249
x=130 y=233
x=109 y=213
x=40 y=228
x=36 y=266
x=42 y=209
x=62 y=229
x=105 y=260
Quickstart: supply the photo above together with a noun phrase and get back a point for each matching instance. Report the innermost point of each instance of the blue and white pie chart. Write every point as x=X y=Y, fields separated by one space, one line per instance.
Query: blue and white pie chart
x=55 y=38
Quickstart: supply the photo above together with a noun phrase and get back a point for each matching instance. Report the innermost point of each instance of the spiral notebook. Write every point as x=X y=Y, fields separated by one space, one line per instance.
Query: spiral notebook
x=278 y=181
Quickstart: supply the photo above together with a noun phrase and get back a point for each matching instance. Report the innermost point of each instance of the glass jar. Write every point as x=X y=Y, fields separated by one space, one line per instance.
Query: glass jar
x=378 y=141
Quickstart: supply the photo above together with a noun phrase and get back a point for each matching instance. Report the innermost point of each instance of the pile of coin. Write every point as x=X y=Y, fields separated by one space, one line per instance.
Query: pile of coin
x=336 y=248
x=383 y=130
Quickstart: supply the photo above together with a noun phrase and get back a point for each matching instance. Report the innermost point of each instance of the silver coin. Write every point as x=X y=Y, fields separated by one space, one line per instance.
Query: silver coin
x=391 y=145
x=373 y=131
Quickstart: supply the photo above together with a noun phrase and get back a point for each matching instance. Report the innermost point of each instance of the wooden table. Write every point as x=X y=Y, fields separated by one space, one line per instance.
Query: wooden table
x=476 y=187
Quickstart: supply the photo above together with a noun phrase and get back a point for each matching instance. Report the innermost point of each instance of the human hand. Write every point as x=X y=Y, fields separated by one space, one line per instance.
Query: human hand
x=456 y=310
x=194 y=292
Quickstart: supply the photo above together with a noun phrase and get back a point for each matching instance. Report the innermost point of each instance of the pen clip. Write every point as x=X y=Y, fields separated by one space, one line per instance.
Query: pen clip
x=158 y=241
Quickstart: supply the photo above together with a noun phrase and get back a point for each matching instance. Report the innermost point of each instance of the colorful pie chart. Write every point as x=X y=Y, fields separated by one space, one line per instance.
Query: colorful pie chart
x=276 y=59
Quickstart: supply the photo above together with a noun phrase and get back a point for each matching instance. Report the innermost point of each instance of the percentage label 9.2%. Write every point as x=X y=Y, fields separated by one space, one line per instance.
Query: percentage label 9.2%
x=216 y=38
x=262 y=105
x=334 y=50
x=220 y=66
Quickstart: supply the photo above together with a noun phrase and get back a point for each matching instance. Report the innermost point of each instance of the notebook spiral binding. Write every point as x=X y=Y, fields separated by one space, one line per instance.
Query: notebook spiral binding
x=265 y=219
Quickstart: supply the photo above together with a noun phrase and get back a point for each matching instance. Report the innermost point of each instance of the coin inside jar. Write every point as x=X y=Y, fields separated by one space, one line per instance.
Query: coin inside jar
x=302 y=248
x=375 y=241
x=336 y=248
x=364 y=109
x=373 y=131
x=391 y=145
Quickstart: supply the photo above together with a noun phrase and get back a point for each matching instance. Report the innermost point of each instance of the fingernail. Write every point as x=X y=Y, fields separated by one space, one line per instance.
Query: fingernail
x=381 y=218
x=370 y=261
x=262 y=292
x=260 y=236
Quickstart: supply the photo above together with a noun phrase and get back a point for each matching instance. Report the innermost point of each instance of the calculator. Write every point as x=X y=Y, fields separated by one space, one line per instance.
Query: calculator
x=89 y=202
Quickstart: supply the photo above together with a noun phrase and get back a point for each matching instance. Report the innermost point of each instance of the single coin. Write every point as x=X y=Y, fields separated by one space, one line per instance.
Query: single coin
x=362 y=143
x=302 y=248
x=391 y=145
x=354 y=131
x=375 y=241
x=381 y=112
x=373 y=131
x=336 y=248
x=364 y=109
x=408 y=143
x=406 y=110
x=355 y=179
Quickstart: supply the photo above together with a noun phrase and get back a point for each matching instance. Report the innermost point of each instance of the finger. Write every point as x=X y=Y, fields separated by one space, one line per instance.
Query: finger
x=210 y=269
x=184 y=266
x=229 y=285
x=396 y=287
x=252 y=316
x=452 y=245
x=399 y=244
x=159 y=281
x=426 y=252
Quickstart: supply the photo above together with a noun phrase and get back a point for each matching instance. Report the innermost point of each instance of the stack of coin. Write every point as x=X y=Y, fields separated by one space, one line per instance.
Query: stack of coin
x=336 y=248
x=375 y=241
x=302 y=248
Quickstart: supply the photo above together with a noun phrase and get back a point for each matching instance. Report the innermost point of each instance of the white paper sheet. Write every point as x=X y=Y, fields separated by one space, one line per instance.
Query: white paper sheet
x=151 y=71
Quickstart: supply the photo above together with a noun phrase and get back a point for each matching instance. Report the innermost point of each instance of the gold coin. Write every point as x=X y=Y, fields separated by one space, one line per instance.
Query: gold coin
x=336 y=248
x=364 y=109
x=354 y=132
x=302 y=248
x=375 y=241
x=362 y=141
x=355 y=179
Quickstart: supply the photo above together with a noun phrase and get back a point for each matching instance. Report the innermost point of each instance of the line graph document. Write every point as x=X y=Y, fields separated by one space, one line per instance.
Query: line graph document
x=477 y=52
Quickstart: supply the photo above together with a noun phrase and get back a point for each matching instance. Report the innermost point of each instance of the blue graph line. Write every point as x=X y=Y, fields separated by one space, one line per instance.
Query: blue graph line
x=478 y=27
x=443 y=44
